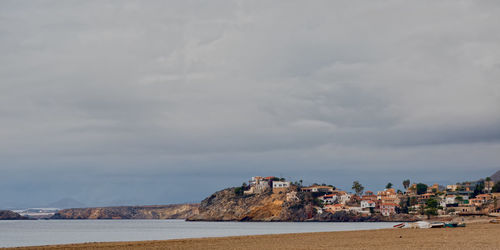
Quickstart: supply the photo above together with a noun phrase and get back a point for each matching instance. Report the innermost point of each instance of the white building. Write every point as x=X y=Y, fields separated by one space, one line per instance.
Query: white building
x=356 y=209
x=367 y=204
x=281 y=184
x=344 y=198
x=328 y=198
x=450 y=199
x=258 y=184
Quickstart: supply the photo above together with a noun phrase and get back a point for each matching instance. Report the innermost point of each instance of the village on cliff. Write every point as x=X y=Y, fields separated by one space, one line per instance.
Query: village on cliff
x=466 y=198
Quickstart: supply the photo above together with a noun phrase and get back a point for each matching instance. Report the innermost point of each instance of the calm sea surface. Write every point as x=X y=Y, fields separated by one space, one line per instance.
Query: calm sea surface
x=44 y=232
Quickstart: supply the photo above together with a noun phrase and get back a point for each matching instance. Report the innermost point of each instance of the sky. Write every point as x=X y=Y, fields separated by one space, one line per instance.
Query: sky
x=159 y=102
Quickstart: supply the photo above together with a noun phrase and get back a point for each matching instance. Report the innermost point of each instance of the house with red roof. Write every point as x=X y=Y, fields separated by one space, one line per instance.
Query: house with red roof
x=387 y=209
x=368 y=204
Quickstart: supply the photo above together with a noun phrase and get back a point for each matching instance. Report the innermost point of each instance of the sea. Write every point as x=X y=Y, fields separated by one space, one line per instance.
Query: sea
x=48 y=232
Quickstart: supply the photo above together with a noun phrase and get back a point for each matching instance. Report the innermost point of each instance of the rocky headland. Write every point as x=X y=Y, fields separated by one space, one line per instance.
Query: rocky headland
x=228 y=205
x=9 y=215
x=177 y=211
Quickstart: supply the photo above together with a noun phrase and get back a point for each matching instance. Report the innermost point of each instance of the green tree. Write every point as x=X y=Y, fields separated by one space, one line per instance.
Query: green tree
x=496 y=188
x=479 y=189
x=432 y=203
x=421 y=188
x=431 y=207
x=357 y=187
x=413 y=201
x=318 y=202
x=404 y=203
x=238 y=191
x=431 y=211
x=389 y=185
x=406 y=183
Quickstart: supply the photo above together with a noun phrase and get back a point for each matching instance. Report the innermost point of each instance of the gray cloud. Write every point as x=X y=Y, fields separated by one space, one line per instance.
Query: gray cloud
x=184 y=88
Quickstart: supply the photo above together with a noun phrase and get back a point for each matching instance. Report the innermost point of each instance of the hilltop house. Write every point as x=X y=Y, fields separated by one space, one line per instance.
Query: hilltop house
x=488 y=186
x=389 y=195
x=451 y=188
x=480 y=200
x=369 y=196
x=465 y=209
x=387 y=209
x=258 y=185
x=368 y=204
x=344 y=197
x=484 y=197
x=412 y=190
x=318 y=188
x=450 y=199
x=334 y=208
x=279 y=186
x=435 y=188
x=328 y=198
x=358 y=210
x=425 y=197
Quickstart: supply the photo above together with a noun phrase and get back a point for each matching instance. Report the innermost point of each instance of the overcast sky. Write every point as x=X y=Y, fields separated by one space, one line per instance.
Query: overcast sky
x=155 y=102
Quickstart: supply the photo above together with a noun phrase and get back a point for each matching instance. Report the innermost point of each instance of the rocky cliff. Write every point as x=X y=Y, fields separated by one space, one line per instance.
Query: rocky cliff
x=9 y=215
x=179 y=211
x=226 y=205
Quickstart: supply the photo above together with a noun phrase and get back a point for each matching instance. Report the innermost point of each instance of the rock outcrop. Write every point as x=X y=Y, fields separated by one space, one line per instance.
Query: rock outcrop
x=178 y=211
x=9 y=215
x=226 y=205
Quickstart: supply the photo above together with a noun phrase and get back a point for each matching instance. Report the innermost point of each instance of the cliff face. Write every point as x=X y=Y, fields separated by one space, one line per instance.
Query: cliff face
x=180 y=211
x=225 y=205
x=9 y=215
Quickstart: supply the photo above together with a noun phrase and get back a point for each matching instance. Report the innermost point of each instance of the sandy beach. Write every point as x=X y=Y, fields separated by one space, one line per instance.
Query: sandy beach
x=474 y=236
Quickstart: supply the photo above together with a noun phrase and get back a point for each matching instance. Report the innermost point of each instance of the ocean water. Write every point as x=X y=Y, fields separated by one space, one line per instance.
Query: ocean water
x=46 y=232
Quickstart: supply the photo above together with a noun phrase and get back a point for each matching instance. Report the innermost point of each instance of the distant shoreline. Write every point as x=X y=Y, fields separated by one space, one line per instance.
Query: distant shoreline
x=471 y=237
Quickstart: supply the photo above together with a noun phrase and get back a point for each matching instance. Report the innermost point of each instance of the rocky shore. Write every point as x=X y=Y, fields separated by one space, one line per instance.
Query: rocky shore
x=9 y=215
x=177 y=211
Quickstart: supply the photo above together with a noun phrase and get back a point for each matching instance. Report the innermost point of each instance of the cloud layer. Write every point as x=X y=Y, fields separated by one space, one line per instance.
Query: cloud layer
x=183 y=92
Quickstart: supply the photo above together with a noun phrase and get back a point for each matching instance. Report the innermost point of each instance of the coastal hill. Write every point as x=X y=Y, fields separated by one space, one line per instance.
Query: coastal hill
x=226 y=205
x=495 y=177
x=9 y=215
x=286 y=205
x=177 y=211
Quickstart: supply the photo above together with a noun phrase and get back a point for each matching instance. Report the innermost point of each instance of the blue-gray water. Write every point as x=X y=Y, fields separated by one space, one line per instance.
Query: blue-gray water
x=44 y=232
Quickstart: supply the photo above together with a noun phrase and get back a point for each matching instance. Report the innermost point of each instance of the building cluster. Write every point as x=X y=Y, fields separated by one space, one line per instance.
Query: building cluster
x=259 y=184
x=460 y=199
x=385 y=202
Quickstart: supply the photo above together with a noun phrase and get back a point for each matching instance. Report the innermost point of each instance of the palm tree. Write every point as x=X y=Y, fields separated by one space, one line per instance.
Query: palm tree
x=406 y=183
x=389 y=185
x=357 y=187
